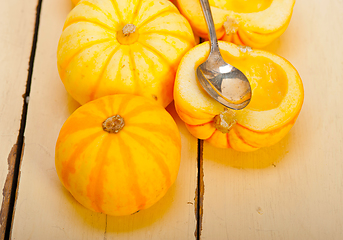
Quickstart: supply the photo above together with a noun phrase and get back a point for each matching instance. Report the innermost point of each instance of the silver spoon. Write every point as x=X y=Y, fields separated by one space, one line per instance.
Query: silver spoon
x=220 y=80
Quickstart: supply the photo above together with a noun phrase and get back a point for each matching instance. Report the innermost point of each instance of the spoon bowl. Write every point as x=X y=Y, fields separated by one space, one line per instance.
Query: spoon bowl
x=222 y=81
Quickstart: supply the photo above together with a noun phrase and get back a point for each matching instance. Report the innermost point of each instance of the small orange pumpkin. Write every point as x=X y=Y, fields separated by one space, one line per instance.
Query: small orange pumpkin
x=118 y=154
x=122 y=46
x=277 y=97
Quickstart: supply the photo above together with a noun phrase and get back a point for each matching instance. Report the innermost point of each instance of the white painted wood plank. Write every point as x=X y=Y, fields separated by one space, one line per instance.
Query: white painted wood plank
x=17 y=20
x=44 y=209
x=301 y=196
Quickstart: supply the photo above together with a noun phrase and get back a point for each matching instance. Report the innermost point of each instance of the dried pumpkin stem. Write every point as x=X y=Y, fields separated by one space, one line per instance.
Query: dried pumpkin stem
x=128 y=34
x=225 y=121
x=128 y=29
x=113 y=124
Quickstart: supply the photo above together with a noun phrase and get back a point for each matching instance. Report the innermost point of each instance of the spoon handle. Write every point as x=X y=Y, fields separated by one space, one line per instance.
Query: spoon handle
x=210 y=25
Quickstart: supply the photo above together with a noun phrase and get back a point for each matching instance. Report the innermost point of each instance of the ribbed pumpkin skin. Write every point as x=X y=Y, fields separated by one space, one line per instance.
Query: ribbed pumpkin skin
x=118 y=173
x=95 y=60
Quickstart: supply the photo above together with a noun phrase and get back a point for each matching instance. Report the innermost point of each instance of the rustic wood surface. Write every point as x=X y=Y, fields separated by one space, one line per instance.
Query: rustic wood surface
x=293 y=190
x=17 y=20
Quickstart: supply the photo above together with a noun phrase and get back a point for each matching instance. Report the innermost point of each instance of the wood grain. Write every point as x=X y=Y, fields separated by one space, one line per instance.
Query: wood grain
x=16 y=33
x=292 y=190
x=44 y=209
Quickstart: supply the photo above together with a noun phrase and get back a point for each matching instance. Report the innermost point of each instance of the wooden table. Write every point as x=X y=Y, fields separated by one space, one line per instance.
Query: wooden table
x=293 y=190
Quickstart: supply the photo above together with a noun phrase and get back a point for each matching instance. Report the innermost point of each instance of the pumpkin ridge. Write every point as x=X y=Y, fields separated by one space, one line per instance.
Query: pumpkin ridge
x=81 y=49
x=141 y=109
x=156 y=53
x=228 y=140
x=85 y=20
x=95 y=188
x=150 y=127
x=158 y=158
x=166 y=32
x=135 y=12
x=125 y=100
x=211 y=135
x=81 y=125
x=238 y=36
x=104 y=67
x=156 y=15
x=199 y=125
x=234 y=131
x=102 y=108
x=190 y=116
x=125 y=151
x=272 y=131
x=109 y=16
x=68 y=166
x=117 y=10
x=135 y=78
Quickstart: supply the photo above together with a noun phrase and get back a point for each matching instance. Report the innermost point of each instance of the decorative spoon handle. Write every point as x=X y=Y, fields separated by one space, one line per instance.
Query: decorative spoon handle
x=210 y=25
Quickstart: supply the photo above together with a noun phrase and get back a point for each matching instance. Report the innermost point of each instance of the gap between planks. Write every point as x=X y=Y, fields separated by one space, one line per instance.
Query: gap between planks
x=15 y=156
x=199 y=192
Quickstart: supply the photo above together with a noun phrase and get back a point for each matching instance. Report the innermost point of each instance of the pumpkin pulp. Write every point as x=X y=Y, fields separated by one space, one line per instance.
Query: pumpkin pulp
x=242 y=6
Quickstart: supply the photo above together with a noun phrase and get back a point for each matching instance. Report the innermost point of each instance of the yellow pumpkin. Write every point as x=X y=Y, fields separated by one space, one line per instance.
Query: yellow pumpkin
x=118 y=154
x=254 y=23
x=277 y=97
x=122 y=46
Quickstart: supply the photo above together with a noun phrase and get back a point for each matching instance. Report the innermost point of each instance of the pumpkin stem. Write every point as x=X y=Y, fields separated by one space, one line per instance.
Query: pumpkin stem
x=113 y=124
x=128 y=28
x=225 y=121
x=127 y=35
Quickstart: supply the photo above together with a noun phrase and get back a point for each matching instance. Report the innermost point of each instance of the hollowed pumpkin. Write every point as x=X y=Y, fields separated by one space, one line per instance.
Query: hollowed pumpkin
x=122 y=46
x=277 y=97
x=255 y=23
x=118 y=154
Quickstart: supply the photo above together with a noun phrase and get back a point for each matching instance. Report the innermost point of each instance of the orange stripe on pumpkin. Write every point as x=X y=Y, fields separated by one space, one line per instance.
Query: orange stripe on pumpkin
x=68 y=166
x=234 y=131
x=161 y=131
x=135 y=12
x=170 y=33
x=125 y=151
x=157 y=157
x=66 y=63
x=125 y=101
x=117 y=10
x=85 y=20
x=104 y=67
x=77 y=124
x=95 y=188
x=141 y=109
x=134 y=72
x=157 y=15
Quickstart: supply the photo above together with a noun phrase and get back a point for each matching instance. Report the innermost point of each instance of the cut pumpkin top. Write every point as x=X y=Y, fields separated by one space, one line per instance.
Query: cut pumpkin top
x=277 y=91
x=250 y=22
x=113 y=46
